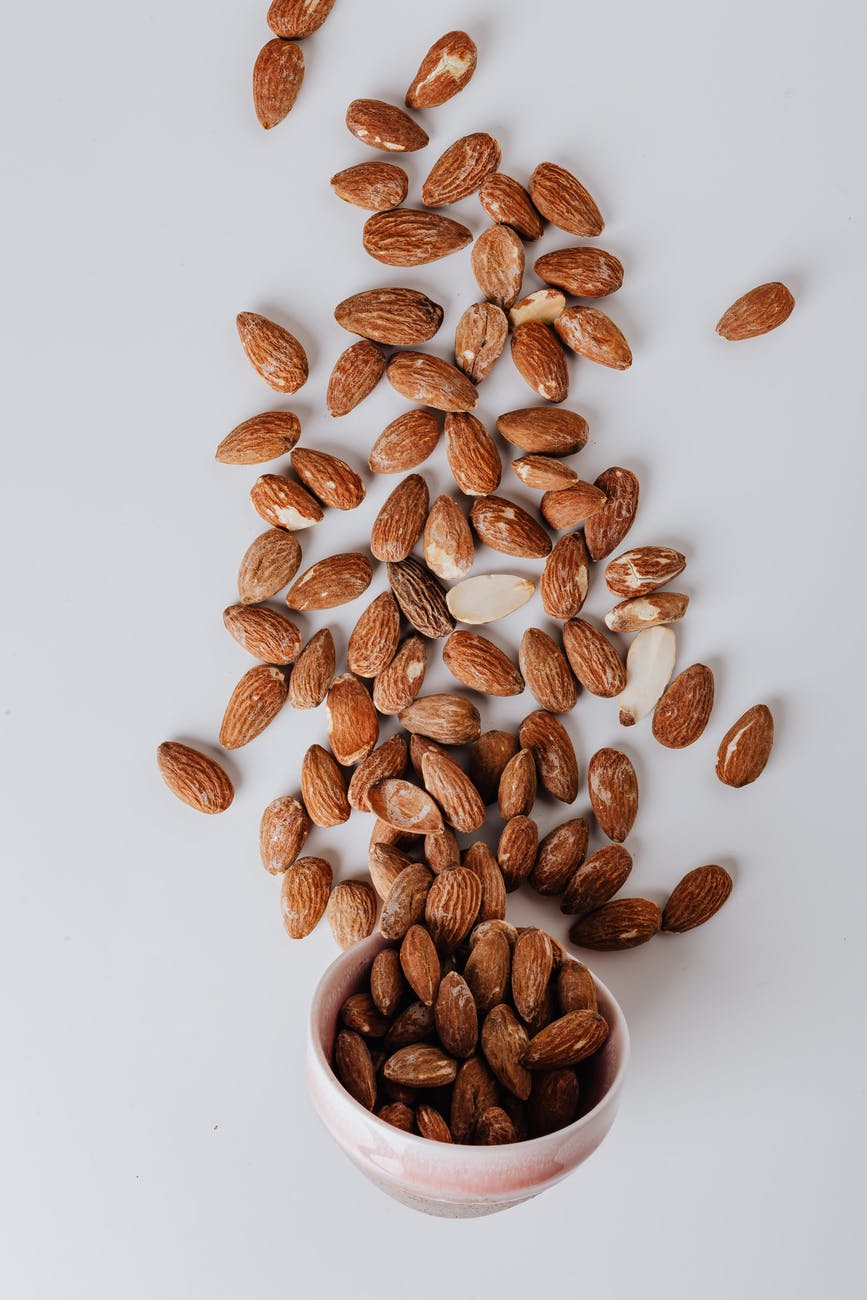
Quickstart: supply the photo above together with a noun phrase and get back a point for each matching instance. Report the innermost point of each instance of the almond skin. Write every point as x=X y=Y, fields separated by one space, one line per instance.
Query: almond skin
x=295 y=19
x=480 y=860
x=277 y=76
x=480 y=337
x=444 y=71
x=508 y=528
x=454 y=792
x=562 y=198
x=388 y=760
x=608 y=526
x=272 y=351
x=516 y=850
x=448 y=542
x=583 y=272
x=643 y=569
x=405 y=902
x=353 y=724
x=472 y=455
x=560 y=854
x=456 y=1017
x=762 y=309
x=478 y=663
x=351 y=912
x=498 y=264
x=684 y=710
x=613 y=788
x=313 y=672
x=553 y=1103
x=387 y=985
x=330 y=582
x=532 y=964
x=696 y=898
x=647 y=611
x=548 y=430
x=461 y=169
x=441 y=850
x=487 y=970
x=566 y=1041
x=354 y=1067
x=420 y=964
x=399 y=683
x=544 y=472
x=255 y=701
x=622 y=923
x=546 y=672
x=397 y=317
x=194 y=778
x=356 y=373
x=508 y=204
x=360 y=1013
x=554 y=753
x=263 y=633
x=572 y=505
x=282 y=832
x=385 y=863
x=593 y=335
x=452 y=906
x=421 y=1065
x=565 y=579
x=374 y=640
x=374 y=186
x=432 y=381
x=447 y=719
x=593 y=659
x=421 y=598
x=304 y=892
x=384 y=126
x=329 y=478
x=401 y=520
x=505 y=1043
x=283 y=503
x=323 y=788
x=517 y=790
x=262 y=437
x=576 y=988
x=495 y=1128
x=475 y=1091
x=404 y=805
x=405 y=442
x=412 y=237
x=746 y=747
x=270 y=562
x=539 y=360
x=488 y=758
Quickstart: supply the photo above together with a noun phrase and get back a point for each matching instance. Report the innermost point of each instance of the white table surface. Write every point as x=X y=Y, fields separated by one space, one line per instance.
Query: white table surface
x=158 y=1140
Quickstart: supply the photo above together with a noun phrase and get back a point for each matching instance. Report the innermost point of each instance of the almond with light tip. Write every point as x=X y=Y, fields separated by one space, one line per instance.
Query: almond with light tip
x=263 y=633
x=329 y=478
x=283 y=503
x=643 y=570
x=273 y=352
x=444 y=71
x=613 y=788
x=565 y=579
x=405 y=443
x=421 y=1065
x=282 y=831
x=539 y=360
x=480 y=337
x=498 y=264
x=684 y=710
x=606 y=529
x=746 y=747
x=194 y=777
x=647 y=611
x=405 y=902
x=384 y=126
x=461 y=169
x=591 y=334
x=696 y=898
x=385 y=862
x=351 y=912
x=571 y=505
x=374 y=186
x=395 y=688
x=409 y=237
x=556 y=762
x=353 y=723
x=304 y=894
x=508 y=528
x=262 y=437
x=545 y=473
x=295 y=19
x=277 y=76
x=254 y=704
x=313 y=672
x=566 y=1041
x=448 y=541
x=448 y=719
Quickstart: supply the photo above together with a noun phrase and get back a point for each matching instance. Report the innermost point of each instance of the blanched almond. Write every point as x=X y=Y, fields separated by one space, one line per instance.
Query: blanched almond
x=649 y=665
x=488 y=597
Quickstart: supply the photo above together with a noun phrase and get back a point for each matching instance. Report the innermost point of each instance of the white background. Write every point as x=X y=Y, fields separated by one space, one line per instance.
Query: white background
x=157 y=1138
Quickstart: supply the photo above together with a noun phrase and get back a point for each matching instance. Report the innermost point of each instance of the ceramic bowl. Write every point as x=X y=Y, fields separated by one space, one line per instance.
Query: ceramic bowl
x=436 y=1177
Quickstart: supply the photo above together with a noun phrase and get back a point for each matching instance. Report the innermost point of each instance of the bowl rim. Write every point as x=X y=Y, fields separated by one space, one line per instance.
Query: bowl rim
x=375 y=943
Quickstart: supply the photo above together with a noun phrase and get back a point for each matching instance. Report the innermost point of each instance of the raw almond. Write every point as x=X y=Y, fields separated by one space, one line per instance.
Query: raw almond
x=262 y=437
x=472 y=455
x=420 y=964
x=696 y=898
x=622 y=923
x=330 y=582
x=757 y=312
x=270 y=562
x=277 y=76
x=194 y=778
x=314 y=672
x=495 y=1128
x=448 y=542
x=544 y=305
x=421 y=597
x=263 y=633
x=576 y=988
x=388 y=760
x=423 y=378
x=414 y=1024
x=329 y=478
x=400 y=682
x=581 y=271
x=508 y=528
x=375 y=186
x=404 y=905
x=594 y=660
x=592 y=334
x=421 y=1065
x=447 y=719
x=606 y=529
x=562 y=198
x=565 y=578
x=444 y=71
x=484 y=928
x=374 y=640
x=383 y=833
x=480 y=338
x=356 y=373
x=552 y=431
x=475 y=1091
x=649 y=665
x=643 y=569
x=282 y=832
x=746 y=747
x=441 y=850
x=452 y=906
x=405 y=443
x=505 y=1043
x=546 y=672
x=647 y=611
x=361 y=1014
x=553 y=1102
x=516 y=850
x=544 y=472
x=613 y=789
x=295 y=19
x=508 y=204
x=454 y=792
x=461 y=169
x=480 y=860
x=397 y=317
x=255 y=701
x=401 y=520
x=560 y=855
x=554 y=753
x=283 y=503
x=387 y=985
x=354 y=1067
x=351 y=912
x=385 y=862
x=410 y=237
x=478 y=663
x=532 y=964
x=488 y=597
x=323 y=788
x=571 y=505
x=304 y=892
x=272 y=351
x=455 y=1015
x=498 y=264
x=353 y=724
x=488 y=758
x=684 y=711
x=404 y=805
x=517 y=790
x=384 y=126
x=539 y=359
x=566 y=1041
x=488 y=970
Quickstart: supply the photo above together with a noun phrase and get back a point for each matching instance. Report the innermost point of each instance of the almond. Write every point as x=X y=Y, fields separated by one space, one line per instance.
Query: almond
x=554 y=753
x=546 y=672
x=475 y=1091
x=270 y=562
x=517 y=790
x=608 y=526
x=384 y=126
x=684 y=711
x=495 y=1128
x=551 y=431
x=323 y=788
x=354 y=1067
x=484 y=928
x=544 y=472
x=283 y=503
x=356 y=373
x=383 y=833
x=421 y=1066
x=448 y=542
x=405 y=443
x=532 y=964
x=594 y=660
x=560 y=855
x=498 y=264
x=388 y=760
x=282 y=832
x=405 y=902
x=329 y=478
x=544 y=305
x=622 y=923
x=194 y=778
x=613 y=788
x=592 y=334
x=488 y=597
x=472 y=455
x=398 y=317
x=649 y=665
x=387 y=986
x=478 y=663
x=262 y=437
x=480 y=860
x=401 y=520
x=566 y=1041
x=455 y=1016
x=432 y=381
x=562 y=198
x=273 y=352
x=461 y=169
x=488 y=970
x=488 y=758
x=647 y=611
x=404 y=805
x=330 y=582
x=454 y=792
x=581 y=271
x=553 y=1102
x=304 y=892
x=374 y=640
x=421 y=597
x=409 y=237
x=441 y=849
x=757 y=312
x=255 y=701
x=295 y=19
x=444 y=71
x=385 y=862
x=313 y=673
x=571 y=505
x=413 y=1025
x=277 y=76
x=452 y=906
x=480 y=338
x=539 y=360
x=516 y=850
x=746 y=747
x=505 y=1043
x=353 y=724
x=351 y=912
x=421 y=965
x=375 y=186
x=263 y=633
x=508 y=204
x=361 y=1014
x=696 y=898
x=447 y=719
x=643 y=569
x=565 y=578
x=400 y=682
x=576 y=988
x=508 y=528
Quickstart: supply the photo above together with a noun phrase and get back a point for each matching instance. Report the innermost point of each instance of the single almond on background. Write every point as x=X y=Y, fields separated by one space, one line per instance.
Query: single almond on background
x=351 y=912
x=547 y=738
x=421 y=598
x=647 y=611
x=448 y=541
x=593 y=659
x=374 y=186
x=517 y=789
x=480 y=860
x=581 y=271
x=613 y=788
x=516 y=850
x=480 y=337
x=593 y=335
x=571 y=505
x=543 y=305
x=313 y=672
x=421 y=1065
x=565 y=579
x=684 y=710
x=194 y=777
x=384 y=126
x=461 y=169
x=472 y=455
x=269 y=563
x=622 y=923
x=323 y=788
x=560 y=854
x=432 y=381
x=277 y=76
x=606 y=529
x=255 y=701
x=508 y=528
x=420 y=964
x=649 y=665
x=746 y=747
x=508 y=204
x=504 y=1044
x=353 y=723
x=489 y=756
x=283 y=503
x=539 y=360
x=443 y=72
x=405 y=901
x=400 y=521
x=455 y=793
x=447 y=719
x=264 y=633
x=546 y=473
x=546 y=672
x=404 y=805
x=643 y=569
x=388 y=760
x=304 y=893
x=295 y=19
x=451 y=907
x=262 y=437
x=329 y=478
x=498 y=264
x=374 y=640
x=551 y=431
x=394 y=316
x=532 y=965
x=762 y=309
x=412 y=236
x=488 y=597
x=401 y=680
x=565 y=202
x=273 y=352
x=331 y=582
x=282 y=832
x=696 y=898
x=356 y=373
x=456 y=1017
x=481 y=665
x=566 y=1041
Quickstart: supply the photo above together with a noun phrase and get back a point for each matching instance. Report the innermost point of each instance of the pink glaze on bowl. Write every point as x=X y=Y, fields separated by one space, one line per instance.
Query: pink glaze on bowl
x=437 y=1177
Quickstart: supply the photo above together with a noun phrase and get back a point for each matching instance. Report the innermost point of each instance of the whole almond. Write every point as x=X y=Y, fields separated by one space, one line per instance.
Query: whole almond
x=270 y=562
x=385 y=862
x=554 y=753
x=423 y=378
x=414 y=1024
x=277 y=76
x=401 y=520
x=448 y=719
x=323 y=788
x=461 y=169
x=353 y=724
x=552 y=431
x=283 y=503
x=404 y=805
x=282 y=832
x=421 y=597
x=516 y=850
x=508 y=204
x=481 y=931
x=581 y=271
x=622 y=923
x=647 y=611
x=431 y=1124
x=576 y=988
x=478 y=663
x=505 y=1043
x=488 y=597
x=613 y=788
x=351 y=912
x=560 y=854
x=410 y=237
x=421 y=965
x=255 y=701
x=532 y=964
x=566 y=1041
x=304 y=892
x=544 y=472
x=448 y=542
x=472 y=455
x=329 y=478
x=553 y=1102
x=356 y=373
x=495 y=1128
x=517 y=792
x=314 y=672
x=330 y=582
x=475 y=1091
x=384 y=126
x=565 y=579
x=272 y=351
x=405 y=442
x=539 y=360
x=421 y=1065
x=375 y=186
x=419 y=748
x=387 y=985
x=354 y=1067
x=608 y=526
x=480 y=860
x=649 y=665
x=592 y=334
x=546 y=672
x=594 y=660
x=696 y=898
x=388 y=760
x=444 y=71
x=544 y=305
x=263 y=633
x=262 y=437
x=571 y=505
x=441 y=849
x=684 y=711
x=295 y=19
x=397 y=317
x=194 y=778
x=374 y=640
x=405 y=901
x=488 y=758
x=643 y=569
x=455 y=1016
x=498 y=264
x=508 y=528
x=762 y=309
x=488 y=971
x=746 y=747
x=361 y=1014
x=400 y=681
x=452 y=906
x=480 y=337
x=454 y=792
x=562 y=198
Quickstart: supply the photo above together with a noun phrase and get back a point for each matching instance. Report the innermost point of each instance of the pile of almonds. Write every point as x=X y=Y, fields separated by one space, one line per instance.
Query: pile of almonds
x=446 y=905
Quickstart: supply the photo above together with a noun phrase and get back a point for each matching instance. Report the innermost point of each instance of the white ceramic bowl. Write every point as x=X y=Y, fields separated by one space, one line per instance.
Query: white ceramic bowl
x=436 y=1177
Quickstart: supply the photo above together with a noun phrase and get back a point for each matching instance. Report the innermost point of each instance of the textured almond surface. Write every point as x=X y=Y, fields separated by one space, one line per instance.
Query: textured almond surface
x=254 y=703
x=684 y=710
x=472 y=455
x=282 y=832
x=405 y=902
x=642 y=570
x=507 y=203
x=329 y=478
x=404 y=805
x=330 y=582
x=504 y=1044
x=696 y=898
x=560 y=854
x=443 y=72
x=420 y=596
x=270 y=562
x=746 y=747
x=351 y=912
x=647 y=611
x=448 y=541
x=384 y=126
x=447 y=719
x=583 y=272
x=594 y=659
x=194 y=778
x=262 y=437
x=420 y=964
x=565 y=579
x=548 y=430
x=295 y=19
x=539 y=359
x=543 y=305
x=432 y=381
x=409 y=237
x=545 y=473
x=313 y=672
x=546 y=737
x=405 y=442
x=453 y=790
x=613 y=788
x=277 y=76
x=569 y=506
x=488 y=758
x=608 y=526
x=374 y=640
x=401 y=520
x=562 y=198
x=323 y=788
x=461 y=169
x=264 y=633
x=271 y=350
x=480 y=337
x=547 y=672
x=356 y=373
x=478 y=663
x=593 y=335
x=622 y=923
x=516 y=793
x=401 y=680
x=566 y=1041
x=516 y=849
x=304 y=892
x=374 y=186
x=452 y=906
x=508 y=528
x=283 y=503
x=498 y=264
x=388 y=760
x=596 y=880
x=353 y=725
x=757 y=312
x=398 y=317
